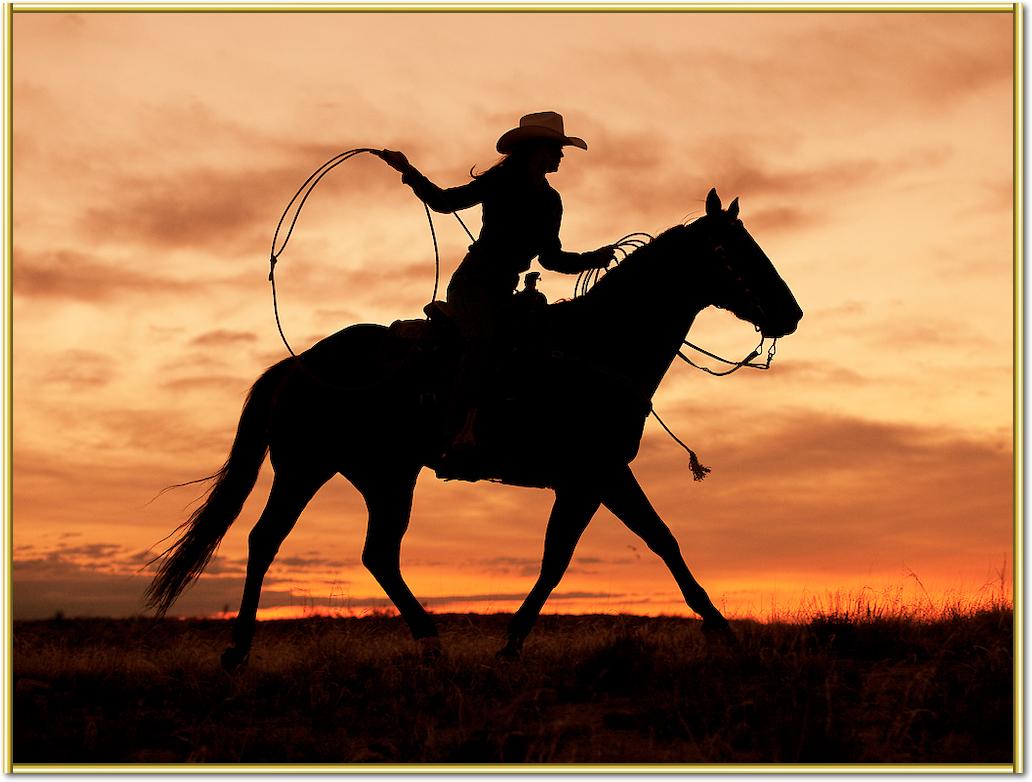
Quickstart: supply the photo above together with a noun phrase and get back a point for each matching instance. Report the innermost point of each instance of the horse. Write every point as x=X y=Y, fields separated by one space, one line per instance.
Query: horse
x=344 y=406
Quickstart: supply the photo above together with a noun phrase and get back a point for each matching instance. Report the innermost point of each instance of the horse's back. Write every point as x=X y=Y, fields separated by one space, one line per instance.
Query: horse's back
x=348 y=358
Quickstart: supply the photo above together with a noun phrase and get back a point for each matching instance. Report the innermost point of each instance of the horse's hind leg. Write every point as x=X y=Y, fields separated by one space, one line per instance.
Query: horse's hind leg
x=388 y=496
x=291 y=492
x=574 y=506
x=626 y=499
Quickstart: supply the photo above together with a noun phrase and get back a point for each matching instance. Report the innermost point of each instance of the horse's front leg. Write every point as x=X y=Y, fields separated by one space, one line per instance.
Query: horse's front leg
x=624 y=496
x=574 y=506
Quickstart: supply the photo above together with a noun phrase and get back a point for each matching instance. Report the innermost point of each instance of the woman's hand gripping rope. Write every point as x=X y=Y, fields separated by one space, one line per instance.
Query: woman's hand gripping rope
x=604 y=258
x=394 y=159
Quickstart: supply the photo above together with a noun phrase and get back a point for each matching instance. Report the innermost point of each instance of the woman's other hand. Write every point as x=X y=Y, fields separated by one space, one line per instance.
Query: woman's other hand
x=604 y=256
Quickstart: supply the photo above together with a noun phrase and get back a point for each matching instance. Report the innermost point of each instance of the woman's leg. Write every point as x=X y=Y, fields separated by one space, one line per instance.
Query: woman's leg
x=476 y=311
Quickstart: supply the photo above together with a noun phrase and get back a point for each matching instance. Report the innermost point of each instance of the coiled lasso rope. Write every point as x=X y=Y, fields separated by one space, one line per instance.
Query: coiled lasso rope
x=297 y=203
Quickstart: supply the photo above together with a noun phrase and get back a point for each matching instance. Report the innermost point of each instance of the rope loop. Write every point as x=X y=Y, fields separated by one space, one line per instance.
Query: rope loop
x=297 y=203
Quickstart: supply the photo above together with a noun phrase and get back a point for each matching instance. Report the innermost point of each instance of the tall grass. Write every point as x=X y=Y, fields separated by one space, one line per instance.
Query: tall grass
x=897 y=604
x=852 y=683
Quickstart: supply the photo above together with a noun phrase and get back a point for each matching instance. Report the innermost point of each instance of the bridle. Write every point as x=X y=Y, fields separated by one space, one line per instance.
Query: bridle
x=719 y=251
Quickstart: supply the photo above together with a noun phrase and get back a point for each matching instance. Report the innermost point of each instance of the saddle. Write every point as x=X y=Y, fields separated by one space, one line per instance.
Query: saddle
x=438 y=325
x=534 y=394
x=523 y=328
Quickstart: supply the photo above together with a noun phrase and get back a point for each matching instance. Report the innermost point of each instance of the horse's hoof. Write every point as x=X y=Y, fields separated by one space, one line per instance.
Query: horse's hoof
x=233 y=659
x=719 y=631
x=508 y=653
x=430 y=649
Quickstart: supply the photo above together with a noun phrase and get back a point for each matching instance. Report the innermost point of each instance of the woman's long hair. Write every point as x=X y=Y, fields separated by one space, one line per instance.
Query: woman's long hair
x=518 y=157
x=498 y=165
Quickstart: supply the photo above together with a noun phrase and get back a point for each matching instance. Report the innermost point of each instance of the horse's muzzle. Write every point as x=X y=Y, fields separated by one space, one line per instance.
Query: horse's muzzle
x=784 y=325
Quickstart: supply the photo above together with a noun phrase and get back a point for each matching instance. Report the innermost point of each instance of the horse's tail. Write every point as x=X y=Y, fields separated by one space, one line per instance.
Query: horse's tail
x=200 y=535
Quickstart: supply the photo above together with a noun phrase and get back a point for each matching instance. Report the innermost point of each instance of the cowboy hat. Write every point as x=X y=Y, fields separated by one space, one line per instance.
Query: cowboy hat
x=543 y=125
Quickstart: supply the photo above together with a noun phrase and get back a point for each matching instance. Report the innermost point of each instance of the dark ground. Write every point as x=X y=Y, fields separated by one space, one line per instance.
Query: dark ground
x=593 y=689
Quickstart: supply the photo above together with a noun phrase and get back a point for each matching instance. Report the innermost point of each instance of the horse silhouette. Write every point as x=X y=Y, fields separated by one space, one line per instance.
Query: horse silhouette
x=571 y=420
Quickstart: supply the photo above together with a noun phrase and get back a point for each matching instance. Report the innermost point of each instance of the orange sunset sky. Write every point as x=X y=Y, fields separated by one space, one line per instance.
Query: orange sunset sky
x=872 y=154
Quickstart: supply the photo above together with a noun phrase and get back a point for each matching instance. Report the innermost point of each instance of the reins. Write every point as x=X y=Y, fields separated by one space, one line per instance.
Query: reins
x=735 y=365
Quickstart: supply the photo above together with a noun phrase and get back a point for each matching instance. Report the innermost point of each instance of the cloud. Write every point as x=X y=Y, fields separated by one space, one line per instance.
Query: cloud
x=189 y=177
x=207 y=383
x=491 y=597
x=101 y=551
x=776 y=193
x=902 y=332
x=863 y=66
x=221 y=337
x=310 y=562
x=106 y=579
x=166 y=430
x=832 y=493
x=781 y=218
x=334 y=317
x=81 y=485
x=66 y=274
x=224 y=209
x=822 y=373
x=847 y=309
x=81 y=369
x=364 y=286
x=741 y=173
x=531 y=566
x=204 y=208
x=41 y=589
x=194 y=362
x=48 y=585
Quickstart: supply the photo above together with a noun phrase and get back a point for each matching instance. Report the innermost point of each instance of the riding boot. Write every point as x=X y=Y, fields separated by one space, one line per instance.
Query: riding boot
x=460 y=461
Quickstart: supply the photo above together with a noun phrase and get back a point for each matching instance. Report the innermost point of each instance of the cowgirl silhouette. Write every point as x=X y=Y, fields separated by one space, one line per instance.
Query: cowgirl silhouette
x=521 y=217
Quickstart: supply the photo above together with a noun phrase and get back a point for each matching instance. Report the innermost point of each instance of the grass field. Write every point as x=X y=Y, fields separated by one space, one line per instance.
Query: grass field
x=589 y=689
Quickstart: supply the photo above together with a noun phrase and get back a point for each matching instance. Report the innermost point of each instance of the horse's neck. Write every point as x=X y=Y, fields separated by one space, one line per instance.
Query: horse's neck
x=635 y=320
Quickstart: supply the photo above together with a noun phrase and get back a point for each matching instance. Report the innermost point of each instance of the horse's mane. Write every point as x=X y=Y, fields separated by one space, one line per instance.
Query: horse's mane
x=621 y=275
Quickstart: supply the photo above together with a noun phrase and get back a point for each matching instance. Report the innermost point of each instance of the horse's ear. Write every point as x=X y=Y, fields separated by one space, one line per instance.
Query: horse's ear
x=712 y=202
x=732 y=211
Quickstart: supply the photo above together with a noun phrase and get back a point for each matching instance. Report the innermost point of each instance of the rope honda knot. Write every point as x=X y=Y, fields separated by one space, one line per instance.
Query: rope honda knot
x=272 y=265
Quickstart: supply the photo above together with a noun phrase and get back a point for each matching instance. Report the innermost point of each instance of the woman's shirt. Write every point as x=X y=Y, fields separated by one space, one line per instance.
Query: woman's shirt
x=521 y=220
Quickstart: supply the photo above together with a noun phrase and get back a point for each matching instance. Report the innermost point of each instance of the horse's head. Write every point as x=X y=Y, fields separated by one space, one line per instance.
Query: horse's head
x=745 y=282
